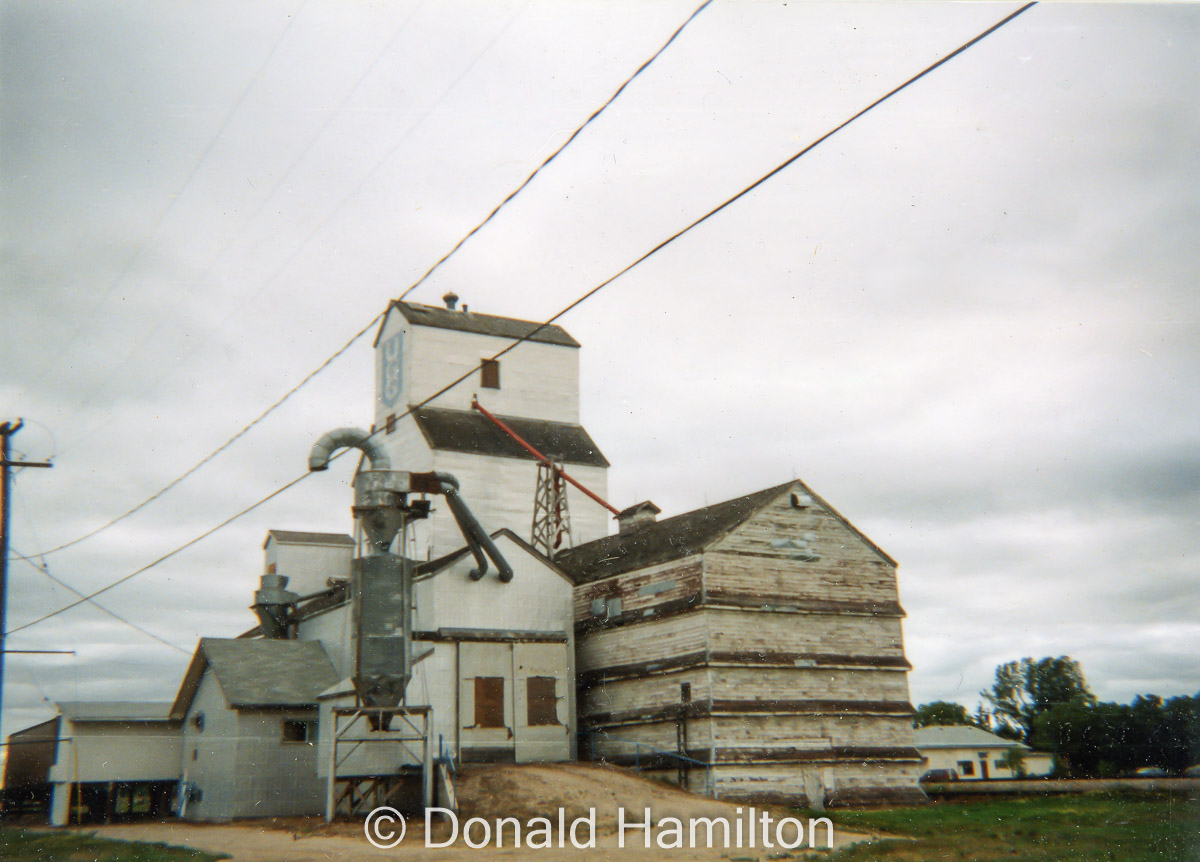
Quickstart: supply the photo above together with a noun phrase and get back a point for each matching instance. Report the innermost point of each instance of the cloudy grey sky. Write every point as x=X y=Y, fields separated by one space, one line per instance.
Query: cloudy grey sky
x=968 y=320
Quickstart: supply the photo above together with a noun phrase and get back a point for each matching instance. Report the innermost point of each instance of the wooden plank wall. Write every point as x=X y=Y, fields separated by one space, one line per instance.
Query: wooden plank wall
x=796 y=667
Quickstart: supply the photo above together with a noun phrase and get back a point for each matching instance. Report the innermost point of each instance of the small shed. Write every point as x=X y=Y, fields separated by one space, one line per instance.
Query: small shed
x=114 y=759
x=27 y=767
x=974 y=754
x=248 y=710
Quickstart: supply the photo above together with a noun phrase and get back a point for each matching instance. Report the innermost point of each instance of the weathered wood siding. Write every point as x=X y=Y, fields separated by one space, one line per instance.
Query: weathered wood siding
x=781 y=731
x=766 y=633
x=850 y=573
x=840 y=783
x=642 y=642
x=637 y=591
x=796 y=666
x=653 y=692
x=771 y=683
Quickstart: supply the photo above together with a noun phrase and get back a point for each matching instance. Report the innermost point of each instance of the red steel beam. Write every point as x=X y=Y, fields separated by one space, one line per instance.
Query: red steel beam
x=536 y=454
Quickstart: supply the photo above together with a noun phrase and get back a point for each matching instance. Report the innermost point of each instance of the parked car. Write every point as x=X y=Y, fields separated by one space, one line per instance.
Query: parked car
x=940 y=775
x=1150 y=772
x=1192 y=771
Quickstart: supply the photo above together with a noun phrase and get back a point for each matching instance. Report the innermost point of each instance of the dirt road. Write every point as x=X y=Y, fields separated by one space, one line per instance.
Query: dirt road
x=499 y=791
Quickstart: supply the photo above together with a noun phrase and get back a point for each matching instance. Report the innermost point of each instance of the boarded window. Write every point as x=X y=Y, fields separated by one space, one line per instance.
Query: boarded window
x=298 y=730
x=489 y=701
x=489 y=374
x=542 y=700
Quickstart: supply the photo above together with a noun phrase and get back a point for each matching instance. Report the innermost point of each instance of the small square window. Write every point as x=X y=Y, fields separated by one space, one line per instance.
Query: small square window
x=299 y=730
x=390 y=423
x=489 y=374
x=966 y=767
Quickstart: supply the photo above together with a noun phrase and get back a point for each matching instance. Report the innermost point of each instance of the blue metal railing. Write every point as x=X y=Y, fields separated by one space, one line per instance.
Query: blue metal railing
x=638 y=745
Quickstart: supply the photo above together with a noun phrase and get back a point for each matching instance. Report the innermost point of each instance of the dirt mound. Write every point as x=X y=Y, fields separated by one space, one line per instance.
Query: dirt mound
x=539 y=790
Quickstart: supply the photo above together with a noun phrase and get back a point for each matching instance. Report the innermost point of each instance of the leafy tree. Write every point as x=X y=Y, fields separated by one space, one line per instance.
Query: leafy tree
x=941 y=713
x=1025 y=689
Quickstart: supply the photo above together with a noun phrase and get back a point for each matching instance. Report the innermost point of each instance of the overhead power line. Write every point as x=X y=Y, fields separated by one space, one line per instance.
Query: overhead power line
x=379 y=316
x=45 y=570
x=574 y=304
x=175 y=198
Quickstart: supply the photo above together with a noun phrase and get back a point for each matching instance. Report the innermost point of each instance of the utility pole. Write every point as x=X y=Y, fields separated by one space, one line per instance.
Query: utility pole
x=7 y=430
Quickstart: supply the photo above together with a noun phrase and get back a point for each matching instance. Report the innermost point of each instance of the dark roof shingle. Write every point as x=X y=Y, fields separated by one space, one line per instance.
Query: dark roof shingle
x=662 y=541
x=483 y=324
x=474 y=433
x=269 y=672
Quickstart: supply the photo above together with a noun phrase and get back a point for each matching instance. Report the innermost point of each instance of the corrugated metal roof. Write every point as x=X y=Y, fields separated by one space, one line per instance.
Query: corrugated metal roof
x=114 y=710
x=268 y=672
x=483 y=324
x=473 y=433
x=661 y=541
x=305 y=538
x=961 y=736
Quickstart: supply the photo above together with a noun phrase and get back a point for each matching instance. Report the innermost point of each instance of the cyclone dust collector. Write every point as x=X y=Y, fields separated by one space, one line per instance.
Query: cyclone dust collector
x=382 y=582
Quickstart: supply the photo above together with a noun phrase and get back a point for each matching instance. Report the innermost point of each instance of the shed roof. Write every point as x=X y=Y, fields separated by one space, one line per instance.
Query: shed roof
x=259 y=673
x=481 y=324
x=473 y=433
x=114 y=710
x=299 y=537
x=961 y=736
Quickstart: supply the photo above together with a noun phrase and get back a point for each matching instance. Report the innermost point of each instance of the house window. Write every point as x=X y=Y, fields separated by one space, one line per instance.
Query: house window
x=299 y=730
x=1000 y=764
x=198 y=722
x=390 y=423
x=489 y=701
x=966 y=767
x=542 y=700
x=489 y=374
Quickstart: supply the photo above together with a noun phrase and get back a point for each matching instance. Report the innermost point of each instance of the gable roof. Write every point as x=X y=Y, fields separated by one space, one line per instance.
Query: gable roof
x=298 y=537
x=473 y=433
x=481 y=324
x=114 y=710
x=258 y=673
x=434 y=567
x=662 y=541
x=681 y=536
x=961 y=736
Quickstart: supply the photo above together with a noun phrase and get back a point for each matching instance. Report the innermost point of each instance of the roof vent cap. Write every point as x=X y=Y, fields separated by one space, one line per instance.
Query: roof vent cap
x=636 y=516
x=451 y=300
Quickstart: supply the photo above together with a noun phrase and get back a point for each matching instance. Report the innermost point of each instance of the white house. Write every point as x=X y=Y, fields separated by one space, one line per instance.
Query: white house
x=974 y=754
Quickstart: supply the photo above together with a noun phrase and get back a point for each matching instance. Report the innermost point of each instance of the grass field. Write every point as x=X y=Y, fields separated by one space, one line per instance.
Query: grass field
x=1110 y=826
x=21 y=845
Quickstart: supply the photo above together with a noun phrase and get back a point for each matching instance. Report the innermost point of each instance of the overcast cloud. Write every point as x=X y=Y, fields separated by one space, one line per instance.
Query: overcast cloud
x=969 y=320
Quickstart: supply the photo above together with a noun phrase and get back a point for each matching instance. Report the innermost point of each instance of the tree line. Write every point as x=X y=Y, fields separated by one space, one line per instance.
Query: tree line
x=1046 y=703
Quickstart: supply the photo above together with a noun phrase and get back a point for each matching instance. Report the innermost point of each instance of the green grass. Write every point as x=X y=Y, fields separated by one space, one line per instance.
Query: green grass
x=1085 y=828
x=22 y=845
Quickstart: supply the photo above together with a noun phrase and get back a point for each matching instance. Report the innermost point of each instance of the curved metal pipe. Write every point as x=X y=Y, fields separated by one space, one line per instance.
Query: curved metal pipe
x=474 y=532
x=356 y=438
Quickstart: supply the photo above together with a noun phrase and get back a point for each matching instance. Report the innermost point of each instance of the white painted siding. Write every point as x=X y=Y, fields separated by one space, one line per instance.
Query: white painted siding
x=307 y=566
x=537 y=380
x=117 y=751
